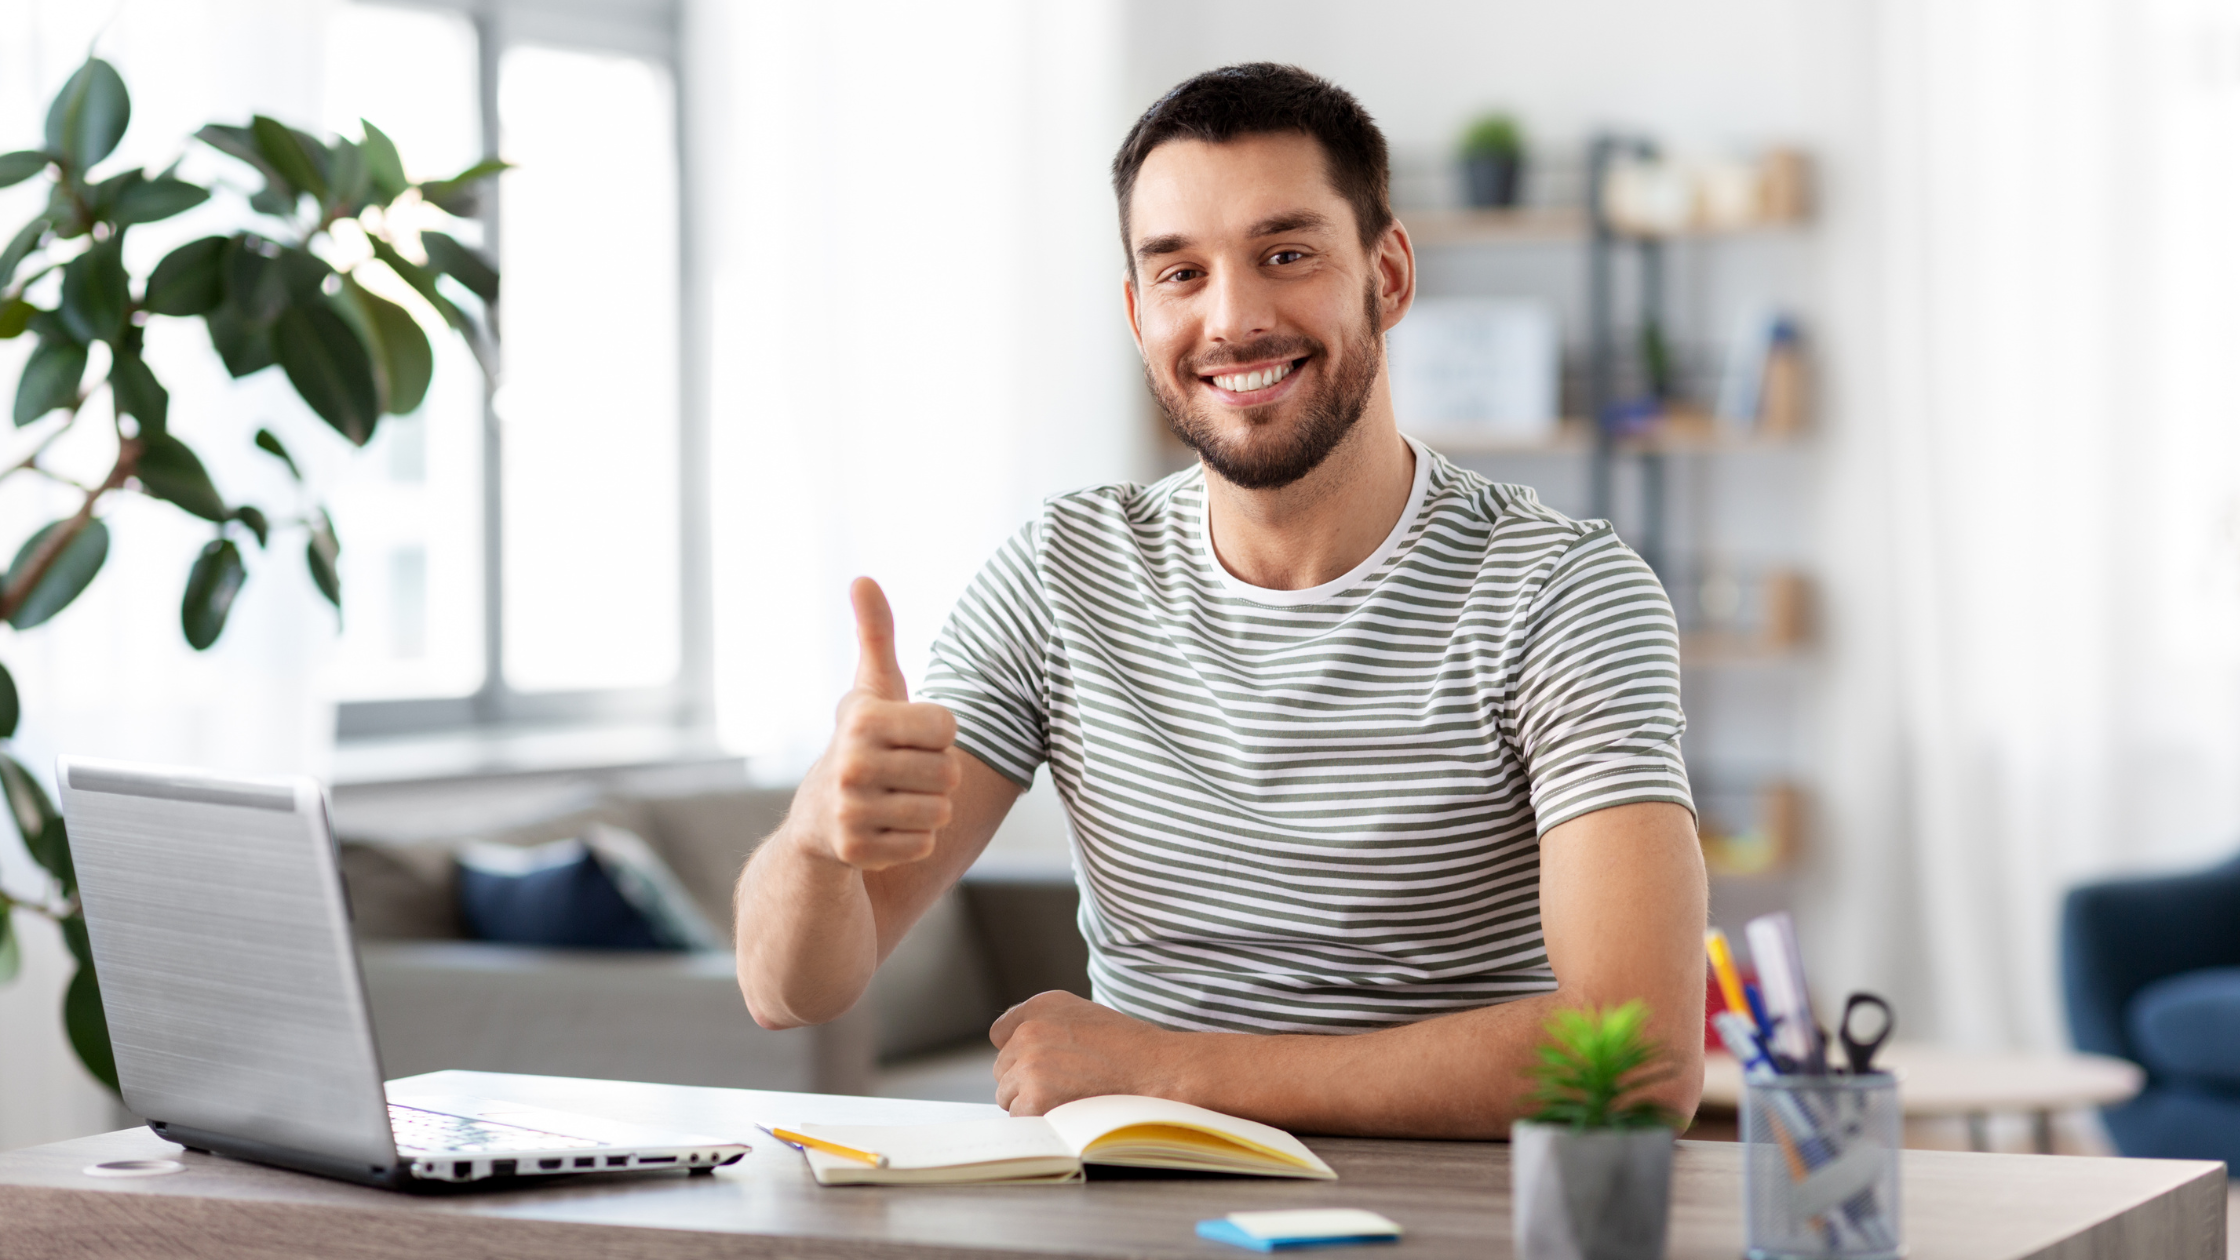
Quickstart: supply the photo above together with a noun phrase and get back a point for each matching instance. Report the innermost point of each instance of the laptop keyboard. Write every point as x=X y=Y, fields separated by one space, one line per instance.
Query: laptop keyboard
x=418 y=1130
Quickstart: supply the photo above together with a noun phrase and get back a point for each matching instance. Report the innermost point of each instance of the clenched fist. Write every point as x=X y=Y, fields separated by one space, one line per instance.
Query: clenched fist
x=882 y=790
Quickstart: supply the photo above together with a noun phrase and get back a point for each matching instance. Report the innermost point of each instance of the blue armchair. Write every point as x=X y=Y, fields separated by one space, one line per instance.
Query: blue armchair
x=2151 y=971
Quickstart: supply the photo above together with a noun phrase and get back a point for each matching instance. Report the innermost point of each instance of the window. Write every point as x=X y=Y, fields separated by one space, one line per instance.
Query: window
x=517 y=555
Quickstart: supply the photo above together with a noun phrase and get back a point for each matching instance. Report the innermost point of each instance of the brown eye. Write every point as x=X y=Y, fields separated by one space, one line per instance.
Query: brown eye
x=1286 y=256
x=1184 y=273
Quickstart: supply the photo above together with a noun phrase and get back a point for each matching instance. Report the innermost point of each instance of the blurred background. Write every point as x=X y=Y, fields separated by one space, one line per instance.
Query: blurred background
x=1896 y=333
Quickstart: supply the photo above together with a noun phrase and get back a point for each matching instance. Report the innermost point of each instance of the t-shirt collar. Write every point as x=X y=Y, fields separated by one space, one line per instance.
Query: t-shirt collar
x=1334 y=587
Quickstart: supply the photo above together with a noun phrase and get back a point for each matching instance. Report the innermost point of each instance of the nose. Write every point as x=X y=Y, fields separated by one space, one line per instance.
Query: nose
x=1239 y=305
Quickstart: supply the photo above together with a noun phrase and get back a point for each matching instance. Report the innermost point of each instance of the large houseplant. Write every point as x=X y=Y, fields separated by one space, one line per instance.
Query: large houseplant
x=288 y=290
x=1592 y=1167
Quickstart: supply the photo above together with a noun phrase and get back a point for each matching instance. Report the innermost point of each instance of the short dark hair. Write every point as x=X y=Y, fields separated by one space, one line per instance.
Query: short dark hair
x=1257 y=98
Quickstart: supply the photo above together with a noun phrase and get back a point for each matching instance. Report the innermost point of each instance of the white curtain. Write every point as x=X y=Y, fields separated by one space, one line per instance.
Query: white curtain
x=2033 y=508
x=916 y=331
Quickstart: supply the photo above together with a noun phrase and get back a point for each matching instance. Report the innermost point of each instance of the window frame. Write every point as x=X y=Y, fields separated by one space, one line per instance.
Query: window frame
x=640 y=28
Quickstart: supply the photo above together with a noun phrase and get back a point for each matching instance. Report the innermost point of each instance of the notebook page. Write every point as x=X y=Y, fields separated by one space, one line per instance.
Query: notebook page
x=911 y=1146
x=1081 y=1122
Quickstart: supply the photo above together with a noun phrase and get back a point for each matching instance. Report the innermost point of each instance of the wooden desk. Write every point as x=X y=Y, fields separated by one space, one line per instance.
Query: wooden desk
x=1453 y=1197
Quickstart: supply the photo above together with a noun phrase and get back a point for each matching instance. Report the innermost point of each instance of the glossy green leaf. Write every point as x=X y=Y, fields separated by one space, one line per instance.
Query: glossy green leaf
x=101 y=197
x=305 y=277
x=15 y=316
x=270 y=444
x=459 y=194
x=11 y=952
x=139 y=394
x=189 y=280
x=19 y=248
x=403 y=363
x=89 y=115
x=21 y=165
x=287 y=151
x=423 y=282
x=323 y=553
x=50 y=379
x=96 y=292
x=348 y=181
x=11 y=705
x=243 y=344
x=255 y=282
x=256 y=523
x=383 y=166
x=158 y=198
x=462 y=264
x=170 y=470
x=38 y=822
x=278 y=196
x=329 y=367
x=65 y=579
x=212 y=583
x=88 y=1024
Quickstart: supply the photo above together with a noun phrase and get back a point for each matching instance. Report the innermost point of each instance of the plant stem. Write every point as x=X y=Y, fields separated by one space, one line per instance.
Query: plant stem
x=13 y=595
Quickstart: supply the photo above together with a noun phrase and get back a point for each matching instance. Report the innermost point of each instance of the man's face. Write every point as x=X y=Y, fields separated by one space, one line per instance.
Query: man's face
x=1259 y=313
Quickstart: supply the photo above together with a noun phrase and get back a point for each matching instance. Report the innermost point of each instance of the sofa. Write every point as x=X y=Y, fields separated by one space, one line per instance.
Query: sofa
x=2151 y=973
x=440 y=1000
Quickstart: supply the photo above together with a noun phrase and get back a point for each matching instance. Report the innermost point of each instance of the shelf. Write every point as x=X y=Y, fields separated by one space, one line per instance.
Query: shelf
x=1684 y=436
x=1547 y=225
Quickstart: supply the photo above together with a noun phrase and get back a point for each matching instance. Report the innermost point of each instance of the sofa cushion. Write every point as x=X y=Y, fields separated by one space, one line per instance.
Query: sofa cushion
x=558 y=894
x=2187 y=1027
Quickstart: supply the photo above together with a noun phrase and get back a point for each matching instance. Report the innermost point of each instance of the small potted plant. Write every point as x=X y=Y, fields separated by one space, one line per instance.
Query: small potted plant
x=1592 y=1168
x=1493 y=161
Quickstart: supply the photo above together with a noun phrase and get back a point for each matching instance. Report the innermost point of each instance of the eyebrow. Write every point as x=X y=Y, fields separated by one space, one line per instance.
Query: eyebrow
x=1273 y=225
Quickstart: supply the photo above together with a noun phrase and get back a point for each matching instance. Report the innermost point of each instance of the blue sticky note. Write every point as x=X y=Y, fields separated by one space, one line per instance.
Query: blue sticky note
x=1262 y=1238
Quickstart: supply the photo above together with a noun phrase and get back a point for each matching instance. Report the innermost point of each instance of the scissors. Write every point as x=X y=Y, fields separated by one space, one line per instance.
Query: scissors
x=1861 y=1051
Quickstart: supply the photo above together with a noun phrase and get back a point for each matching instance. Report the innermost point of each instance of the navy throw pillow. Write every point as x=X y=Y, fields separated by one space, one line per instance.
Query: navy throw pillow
x=2188 y=1026
x=556 y=895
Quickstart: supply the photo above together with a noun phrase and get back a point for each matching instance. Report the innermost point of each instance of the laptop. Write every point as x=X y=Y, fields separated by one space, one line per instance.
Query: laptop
x=221 y=935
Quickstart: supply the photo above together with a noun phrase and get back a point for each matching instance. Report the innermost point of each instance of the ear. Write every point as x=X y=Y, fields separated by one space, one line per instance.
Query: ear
x=1135 y=316
x=1395 y=261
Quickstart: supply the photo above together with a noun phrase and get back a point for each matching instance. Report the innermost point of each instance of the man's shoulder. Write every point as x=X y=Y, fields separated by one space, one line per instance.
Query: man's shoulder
x=1502 y=518
x=1171 y=501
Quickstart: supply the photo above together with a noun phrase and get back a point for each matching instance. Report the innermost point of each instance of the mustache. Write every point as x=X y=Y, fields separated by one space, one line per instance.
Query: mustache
x=1258 y=351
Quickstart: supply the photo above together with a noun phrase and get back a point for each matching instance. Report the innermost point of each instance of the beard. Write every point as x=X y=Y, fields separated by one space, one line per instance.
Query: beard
x=1268 y=457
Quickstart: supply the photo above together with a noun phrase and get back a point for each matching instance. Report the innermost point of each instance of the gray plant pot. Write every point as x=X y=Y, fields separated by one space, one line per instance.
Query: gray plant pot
x=1596 y=1194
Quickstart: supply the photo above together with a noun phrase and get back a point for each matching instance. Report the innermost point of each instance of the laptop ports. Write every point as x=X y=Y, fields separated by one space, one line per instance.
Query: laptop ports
x=657 y=1159
x=549 y=1164
x=503 y=1167
x=587 y=1161
x=618 y=1161
x=462 y=1170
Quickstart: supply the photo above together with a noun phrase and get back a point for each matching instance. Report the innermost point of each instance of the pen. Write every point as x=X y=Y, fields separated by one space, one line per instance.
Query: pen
x=1722 y=967
x=790 y=1138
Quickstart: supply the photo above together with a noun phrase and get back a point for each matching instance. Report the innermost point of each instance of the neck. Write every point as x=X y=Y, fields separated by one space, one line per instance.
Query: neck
x=1318 y=528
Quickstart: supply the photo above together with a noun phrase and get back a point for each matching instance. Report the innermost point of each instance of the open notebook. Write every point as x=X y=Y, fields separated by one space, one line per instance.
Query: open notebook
x=1120 y=1129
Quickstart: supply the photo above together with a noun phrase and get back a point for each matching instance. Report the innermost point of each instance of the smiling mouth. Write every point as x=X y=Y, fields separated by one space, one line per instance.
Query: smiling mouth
x=1250 y=382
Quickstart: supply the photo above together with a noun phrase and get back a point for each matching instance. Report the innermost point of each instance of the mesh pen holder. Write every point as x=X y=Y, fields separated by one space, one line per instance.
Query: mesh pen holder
x=1820 y=1167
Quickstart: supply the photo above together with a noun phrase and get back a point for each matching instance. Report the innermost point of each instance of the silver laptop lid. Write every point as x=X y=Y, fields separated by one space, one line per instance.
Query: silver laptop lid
x=222 y=941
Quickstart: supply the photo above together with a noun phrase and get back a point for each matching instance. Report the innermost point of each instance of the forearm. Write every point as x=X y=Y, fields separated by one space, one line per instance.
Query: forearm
x=807 y=938
x=1457 y=1076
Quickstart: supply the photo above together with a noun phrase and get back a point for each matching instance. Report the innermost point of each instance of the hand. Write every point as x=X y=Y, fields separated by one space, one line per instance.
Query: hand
x=882 y=790
x=1056 y=1047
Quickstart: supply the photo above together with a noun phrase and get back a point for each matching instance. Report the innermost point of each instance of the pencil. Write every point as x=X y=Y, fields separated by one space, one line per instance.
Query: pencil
x=1722 y=966
x=788 y=1136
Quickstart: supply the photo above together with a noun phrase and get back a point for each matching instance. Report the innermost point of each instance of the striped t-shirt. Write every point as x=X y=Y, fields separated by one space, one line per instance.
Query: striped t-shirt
x=1317 y=810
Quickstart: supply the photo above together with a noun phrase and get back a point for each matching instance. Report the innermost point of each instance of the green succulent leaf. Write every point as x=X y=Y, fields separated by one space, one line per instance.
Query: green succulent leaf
x=21 y=165
x=323 y=553
x=86 y=1022
x=89 y=115
x=50 y=379
x=19 y=248
x=212 y=583
x=403 y=362
x=190 y=280
x=329 y=367
x=270 y=444
x=459 y=195
x=11 y=952
x=65 y=579
x=38 y=822
x=289 y=152
x=139 y=394
x=170 y=470
x=1592 y=1062
x=256 y=523
x=15 y=316
x=462 y=264
x=159 y=198
x=383 y=166
x=96 y=292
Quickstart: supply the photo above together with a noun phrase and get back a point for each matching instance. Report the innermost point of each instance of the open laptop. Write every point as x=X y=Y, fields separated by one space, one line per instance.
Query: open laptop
x=230 y=979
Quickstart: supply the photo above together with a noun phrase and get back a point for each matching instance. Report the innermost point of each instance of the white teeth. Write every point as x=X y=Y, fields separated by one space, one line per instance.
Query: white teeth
x=1246 y=382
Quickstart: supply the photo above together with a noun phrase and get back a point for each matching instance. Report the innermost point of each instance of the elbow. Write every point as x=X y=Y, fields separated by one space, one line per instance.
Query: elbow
x=774 y=1007
x=1680 y=1092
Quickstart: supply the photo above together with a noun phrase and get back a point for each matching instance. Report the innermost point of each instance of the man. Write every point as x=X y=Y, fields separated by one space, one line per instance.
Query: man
x=1352 y=741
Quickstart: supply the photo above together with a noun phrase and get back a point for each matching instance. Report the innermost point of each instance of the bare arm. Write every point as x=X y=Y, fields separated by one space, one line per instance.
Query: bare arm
x=881 y=826
x=1622 y=904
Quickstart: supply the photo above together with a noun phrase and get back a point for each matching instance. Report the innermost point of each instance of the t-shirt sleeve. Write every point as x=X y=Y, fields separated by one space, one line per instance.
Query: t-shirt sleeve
x=989 y=667
x=1597 y=701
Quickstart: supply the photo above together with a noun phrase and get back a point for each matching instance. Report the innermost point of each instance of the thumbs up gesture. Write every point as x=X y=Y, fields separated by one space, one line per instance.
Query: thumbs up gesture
x=882 y=790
